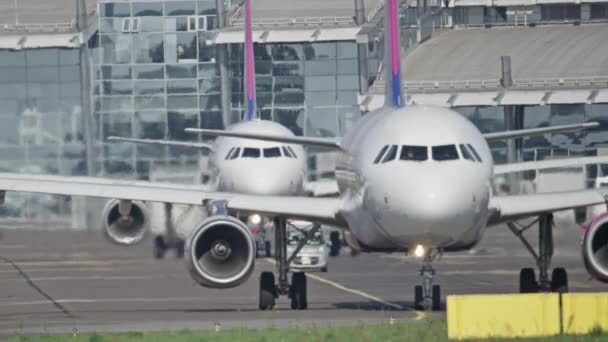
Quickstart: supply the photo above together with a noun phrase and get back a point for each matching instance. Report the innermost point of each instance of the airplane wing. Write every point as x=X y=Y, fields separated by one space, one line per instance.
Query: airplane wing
x=537 y=131
x=549 y=164
x=192 y=144
x=509 y=208
x=324 y=210
x=319 y=142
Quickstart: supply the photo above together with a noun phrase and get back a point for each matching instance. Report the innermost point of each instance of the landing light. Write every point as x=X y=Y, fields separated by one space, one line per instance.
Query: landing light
x=255 y=219
x=419 y=251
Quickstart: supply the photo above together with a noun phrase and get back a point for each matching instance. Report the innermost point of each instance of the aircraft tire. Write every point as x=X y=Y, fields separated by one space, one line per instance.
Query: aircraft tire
x=267 y=291
x=299 y=300
x=559 y=280
x=527 y=281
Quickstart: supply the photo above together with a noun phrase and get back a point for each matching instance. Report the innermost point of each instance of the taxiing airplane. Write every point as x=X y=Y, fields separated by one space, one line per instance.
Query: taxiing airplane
x=414 y=179
x=235 y=164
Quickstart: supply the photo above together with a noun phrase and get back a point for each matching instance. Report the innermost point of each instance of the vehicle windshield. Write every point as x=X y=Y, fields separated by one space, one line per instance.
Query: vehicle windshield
x=294 y=237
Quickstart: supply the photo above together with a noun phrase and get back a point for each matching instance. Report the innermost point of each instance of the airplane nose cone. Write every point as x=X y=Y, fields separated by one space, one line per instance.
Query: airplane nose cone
x=266 y=182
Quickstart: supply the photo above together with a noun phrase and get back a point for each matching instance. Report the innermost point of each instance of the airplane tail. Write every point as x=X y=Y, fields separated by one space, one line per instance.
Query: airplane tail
x=249 y=74
x=394 y=96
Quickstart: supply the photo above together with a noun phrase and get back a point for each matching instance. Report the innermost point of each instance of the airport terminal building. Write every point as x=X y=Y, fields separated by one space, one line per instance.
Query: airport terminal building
x=73 y=72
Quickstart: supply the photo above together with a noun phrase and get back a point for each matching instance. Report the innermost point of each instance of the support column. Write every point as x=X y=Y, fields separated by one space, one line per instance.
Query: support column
x=363 y=68
x=221 y=55
x=85 y=102
x=360 y=12
x=506 y=81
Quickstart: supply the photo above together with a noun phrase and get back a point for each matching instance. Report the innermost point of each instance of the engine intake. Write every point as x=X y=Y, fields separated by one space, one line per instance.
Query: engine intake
x=595 y=248
x=125 y=222
x=220 y=252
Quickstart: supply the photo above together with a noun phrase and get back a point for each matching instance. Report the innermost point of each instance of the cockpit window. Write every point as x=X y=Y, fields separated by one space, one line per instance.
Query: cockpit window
x=465 y=153
x=445 y=152
x=474 y=152
x=272 y=152
x=292 y=152
x=416 y=153
x=228 y=154
x=381 y=154
x=235 y=153
x=391 y=154
x=286 y=152
x=249 y=152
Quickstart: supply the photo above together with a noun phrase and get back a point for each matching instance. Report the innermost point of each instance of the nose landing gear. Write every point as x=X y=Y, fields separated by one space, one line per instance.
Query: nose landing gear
x=427 y=296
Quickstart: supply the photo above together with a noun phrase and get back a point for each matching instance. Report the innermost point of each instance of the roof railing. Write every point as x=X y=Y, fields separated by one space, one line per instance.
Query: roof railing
x=494 y=84
x=31 y=28
x=297 y=21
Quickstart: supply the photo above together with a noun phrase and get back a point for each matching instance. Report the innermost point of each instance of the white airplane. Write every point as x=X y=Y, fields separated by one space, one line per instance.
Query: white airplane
x=412 y=179
x=235 y=164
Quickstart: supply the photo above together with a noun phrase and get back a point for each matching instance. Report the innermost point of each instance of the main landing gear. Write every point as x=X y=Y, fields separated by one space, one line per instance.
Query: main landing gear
x=427 y=296
x=527 y=277
x=171 y=240
x=297 y=289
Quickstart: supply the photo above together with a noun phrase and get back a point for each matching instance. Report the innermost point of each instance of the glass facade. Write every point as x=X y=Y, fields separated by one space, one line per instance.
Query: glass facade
x=40 y=117
x=491 y=119
x=156 y=73
x=311 y=88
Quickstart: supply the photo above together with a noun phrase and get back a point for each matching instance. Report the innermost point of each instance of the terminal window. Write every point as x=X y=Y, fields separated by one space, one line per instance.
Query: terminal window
x=561 y=12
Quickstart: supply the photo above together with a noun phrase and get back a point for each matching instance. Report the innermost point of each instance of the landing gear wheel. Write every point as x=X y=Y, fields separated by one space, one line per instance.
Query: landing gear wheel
x=334 y=250
x=324 y=269
x=418 y=298
x=436 y=298
x=298 y=291
x=559 y=280
x=180 y=247
x=267 y=291
x=267 y=248
x=527 y=281
x=159 y=247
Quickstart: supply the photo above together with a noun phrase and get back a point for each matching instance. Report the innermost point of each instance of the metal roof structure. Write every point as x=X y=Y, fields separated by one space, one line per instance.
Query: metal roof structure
x=550 y=64
x=36 y=16
x=281 y=13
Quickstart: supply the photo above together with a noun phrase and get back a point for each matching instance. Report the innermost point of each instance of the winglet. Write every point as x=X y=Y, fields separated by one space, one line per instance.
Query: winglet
x=249 y=74
x=394 y=96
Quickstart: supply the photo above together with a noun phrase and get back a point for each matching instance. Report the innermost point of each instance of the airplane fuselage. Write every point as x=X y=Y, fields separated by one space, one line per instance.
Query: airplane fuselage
x=258 y=167
x=410 y=177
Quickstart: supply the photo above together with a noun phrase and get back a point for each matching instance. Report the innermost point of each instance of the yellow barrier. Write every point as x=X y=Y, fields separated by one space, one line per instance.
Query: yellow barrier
x=584 y=312
x=517 y=315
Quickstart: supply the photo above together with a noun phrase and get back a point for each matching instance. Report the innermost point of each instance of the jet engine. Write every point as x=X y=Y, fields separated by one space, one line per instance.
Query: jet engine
x=595 y=248
x=220 y=252
x=125 y=222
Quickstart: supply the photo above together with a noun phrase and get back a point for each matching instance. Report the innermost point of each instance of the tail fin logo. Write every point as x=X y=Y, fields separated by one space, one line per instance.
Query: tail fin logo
x=393 y=61
x=250 y=110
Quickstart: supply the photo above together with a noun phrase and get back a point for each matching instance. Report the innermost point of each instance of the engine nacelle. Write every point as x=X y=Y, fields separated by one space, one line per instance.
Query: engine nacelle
x=595 y=248
x=220 y=252
x=125 y=222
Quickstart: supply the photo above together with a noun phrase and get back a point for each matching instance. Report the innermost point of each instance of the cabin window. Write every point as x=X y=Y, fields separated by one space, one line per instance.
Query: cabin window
x=381 y=154
x=415 y=153
x=445 y=152
x=249 y=152
x=229 y=153
x=465 y=153
x=474 y=152
x=391 y=154
x=235 y=153
x=272 y=152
